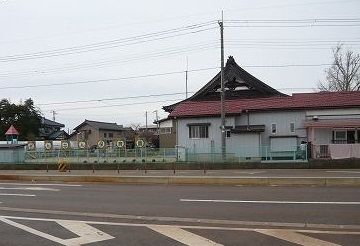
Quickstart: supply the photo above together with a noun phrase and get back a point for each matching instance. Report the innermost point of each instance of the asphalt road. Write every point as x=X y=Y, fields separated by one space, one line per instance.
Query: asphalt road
x=104 y=214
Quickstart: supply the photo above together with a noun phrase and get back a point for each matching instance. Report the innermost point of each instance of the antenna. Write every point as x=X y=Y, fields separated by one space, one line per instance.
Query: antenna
x=54 y=113
x=186 y=77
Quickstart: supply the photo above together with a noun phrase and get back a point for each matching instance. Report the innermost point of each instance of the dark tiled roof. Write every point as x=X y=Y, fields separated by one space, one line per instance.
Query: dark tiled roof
x=298 y=101
x=234 y=76
x=58 y=134
x=48 y=122
x=102 y=125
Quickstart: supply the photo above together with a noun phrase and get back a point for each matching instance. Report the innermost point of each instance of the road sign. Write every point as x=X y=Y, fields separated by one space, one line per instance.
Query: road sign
x=101 y=144
x=82 y=145
x=140 y=143
x=48 y=145
x=121 y=143
x=63 y=166
x=65 y=145
x=31 y=146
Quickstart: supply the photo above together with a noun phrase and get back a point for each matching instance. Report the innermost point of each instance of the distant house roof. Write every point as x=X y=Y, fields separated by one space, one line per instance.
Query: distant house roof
x=47 y=122
x=58 y=135
x=102 y=126
x=320 y=100
x=12 y=131
x=148 y=127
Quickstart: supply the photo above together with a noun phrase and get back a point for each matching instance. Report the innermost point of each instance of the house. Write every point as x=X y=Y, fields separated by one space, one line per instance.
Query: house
x=167 y=133
x=51 y=130
x=262 y=122
x=150 y=133
x=93 y=131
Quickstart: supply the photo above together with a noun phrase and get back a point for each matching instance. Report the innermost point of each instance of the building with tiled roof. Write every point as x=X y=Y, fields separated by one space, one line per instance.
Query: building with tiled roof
x=92 y=132
x=52 y=130
x=260 y=119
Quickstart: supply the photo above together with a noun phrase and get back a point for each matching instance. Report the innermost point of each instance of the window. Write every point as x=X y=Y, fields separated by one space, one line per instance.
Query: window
x=340 y=136
x=198 y=131
x=165 y=130
x=273 y=128
x=104 y=134
x=228 y=133
x=111 y=135
x=292 y=127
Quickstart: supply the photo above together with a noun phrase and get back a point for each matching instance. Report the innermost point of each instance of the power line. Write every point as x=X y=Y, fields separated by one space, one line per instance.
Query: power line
x=102 y=80
x=113 y=62
x=308 y=20
x=151 y=75
x=119 y=105
x=113 y=98
x=110 y=44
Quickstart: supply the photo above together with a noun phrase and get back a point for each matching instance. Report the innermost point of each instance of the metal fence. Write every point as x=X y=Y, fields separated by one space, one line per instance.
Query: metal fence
x=102 y=155
x=248 y=154
x=179 y=154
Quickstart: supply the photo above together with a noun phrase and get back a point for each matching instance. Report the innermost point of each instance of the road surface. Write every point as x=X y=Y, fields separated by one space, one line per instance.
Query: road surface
x=110 y=214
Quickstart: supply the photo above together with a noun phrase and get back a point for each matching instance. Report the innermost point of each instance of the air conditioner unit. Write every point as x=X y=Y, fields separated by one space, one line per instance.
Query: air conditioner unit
x=315 y=117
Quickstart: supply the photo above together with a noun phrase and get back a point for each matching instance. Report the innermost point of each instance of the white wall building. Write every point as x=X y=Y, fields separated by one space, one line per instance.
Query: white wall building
x=264 y=123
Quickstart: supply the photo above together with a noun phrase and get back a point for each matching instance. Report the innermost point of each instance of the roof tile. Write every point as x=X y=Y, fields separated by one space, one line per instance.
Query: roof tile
x=296 y=101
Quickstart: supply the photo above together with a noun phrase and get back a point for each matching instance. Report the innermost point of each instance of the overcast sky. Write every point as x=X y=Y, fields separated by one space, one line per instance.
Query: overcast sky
x=59 y=42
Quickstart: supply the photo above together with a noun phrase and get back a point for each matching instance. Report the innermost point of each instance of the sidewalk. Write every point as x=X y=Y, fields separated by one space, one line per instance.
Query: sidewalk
x=216 y=173
x=256 y=177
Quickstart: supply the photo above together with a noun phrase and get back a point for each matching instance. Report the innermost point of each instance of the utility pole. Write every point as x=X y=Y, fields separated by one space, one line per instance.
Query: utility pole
x=157 y=120
x=146 y=124
x=222 y=93
x=186 y=77
x=54 y=114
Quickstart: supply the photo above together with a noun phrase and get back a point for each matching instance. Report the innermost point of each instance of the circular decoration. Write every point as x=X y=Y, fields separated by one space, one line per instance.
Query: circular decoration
x=140 y=143
x=48 y=145
x=120 y=143
x=31 y=146
x=65 y=145
x=82 y=145
x=101 y=144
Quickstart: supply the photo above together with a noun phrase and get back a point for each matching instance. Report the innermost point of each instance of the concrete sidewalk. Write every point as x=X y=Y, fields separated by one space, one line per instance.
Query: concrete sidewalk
x=190 y=173
x=272 y=177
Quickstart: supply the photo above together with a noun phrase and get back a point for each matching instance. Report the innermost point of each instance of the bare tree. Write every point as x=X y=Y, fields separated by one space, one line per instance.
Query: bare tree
x=344 y=73
x=135 y=126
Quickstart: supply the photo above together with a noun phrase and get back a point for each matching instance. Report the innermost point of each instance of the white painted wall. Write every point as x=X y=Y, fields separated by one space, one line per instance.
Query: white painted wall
x=167 y=123
x=244 y=144
x=349 y=113
x=282 y=121
x=322 y=136
x=202 y=145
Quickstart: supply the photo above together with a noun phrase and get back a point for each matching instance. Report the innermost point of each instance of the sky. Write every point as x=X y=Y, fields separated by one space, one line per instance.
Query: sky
x=113 y=60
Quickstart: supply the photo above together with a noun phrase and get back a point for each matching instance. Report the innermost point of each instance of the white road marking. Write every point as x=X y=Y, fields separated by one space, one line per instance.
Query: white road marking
x=183 y=236
x=36 y=184
x=294 y=237
x=185 y=220
x=250 y=172
x=29 y=188
x=342 y=171
x=6 y=194
x=87 y=233
x=268 y=202
x=336 y=232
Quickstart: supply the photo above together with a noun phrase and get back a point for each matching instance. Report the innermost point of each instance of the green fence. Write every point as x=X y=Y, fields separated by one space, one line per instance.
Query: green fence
x=246 y=154
x=102 y=155
x=139 y=155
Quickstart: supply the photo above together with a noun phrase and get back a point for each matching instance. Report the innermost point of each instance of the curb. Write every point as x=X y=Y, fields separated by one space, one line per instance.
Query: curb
x=193 y=180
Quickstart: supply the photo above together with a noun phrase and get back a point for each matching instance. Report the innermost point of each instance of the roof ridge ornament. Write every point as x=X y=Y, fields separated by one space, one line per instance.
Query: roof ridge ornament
x=230 y=60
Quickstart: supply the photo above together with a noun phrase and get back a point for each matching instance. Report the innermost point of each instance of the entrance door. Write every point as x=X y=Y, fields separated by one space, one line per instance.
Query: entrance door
x=350 y=137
